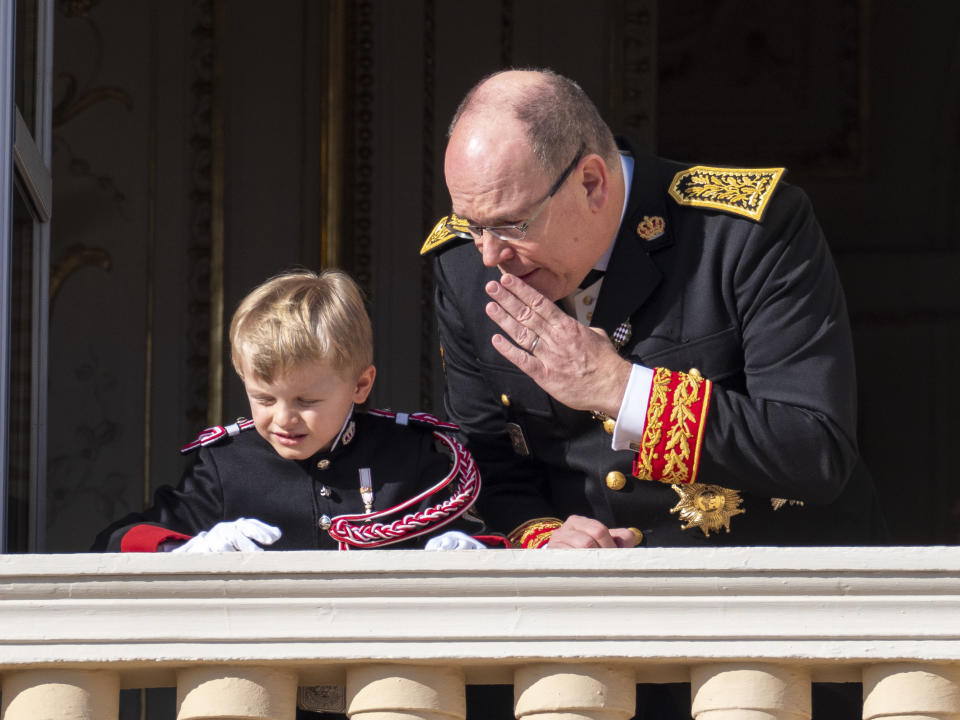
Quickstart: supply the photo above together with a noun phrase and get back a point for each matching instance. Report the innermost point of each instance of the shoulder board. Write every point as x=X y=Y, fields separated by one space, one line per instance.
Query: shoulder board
x=439 y=236
x=419 y=417
x=741 y=191
x=216 y=433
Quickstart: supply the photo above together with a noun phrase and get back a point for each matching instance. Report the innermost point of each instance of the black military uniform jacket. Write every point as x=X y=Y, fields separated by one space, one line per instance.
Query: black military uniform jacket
x=243 y=476
x=754 y=304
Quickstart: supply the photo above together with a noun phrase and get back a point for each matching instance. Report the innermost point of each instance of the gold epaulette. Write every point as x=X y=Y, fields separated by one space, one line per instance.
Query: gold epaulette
x=438 y=236
x=741 y=191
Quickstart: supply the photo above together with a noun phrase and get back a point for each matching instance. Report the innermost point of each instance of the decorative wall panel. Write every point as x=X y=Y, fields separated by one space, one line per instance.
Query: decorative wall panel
x=760 y=83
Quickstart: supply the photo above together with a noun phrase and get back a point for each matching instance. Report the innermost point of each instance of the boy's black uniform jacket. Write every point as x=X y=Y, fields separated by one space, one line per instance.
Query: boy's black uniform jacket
x=243 y=476
x=756 y=307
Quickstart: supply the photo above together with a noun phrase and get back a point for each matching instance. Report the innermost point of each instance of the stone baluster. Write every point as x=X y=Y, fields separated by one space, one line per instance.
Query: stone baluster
x=405 y=692
x=61 y=695
x=737 y=691
x=252 y=693
x=574 y=692
x=906 y=691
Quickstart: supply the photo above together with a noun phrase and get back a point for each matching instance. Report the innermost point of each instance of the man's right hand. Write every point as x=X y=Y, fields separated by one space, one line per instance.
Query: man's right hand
x=584 y=532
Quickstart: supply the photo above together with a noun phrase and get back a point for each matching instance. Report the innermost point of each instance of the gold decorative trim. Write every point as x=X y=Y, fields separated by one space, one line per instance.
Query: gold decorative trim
x=676 y=414
x=654 y=427
x=71 y=105
x=77 y=257
x=534 y=533
x=439 y=235
x=677 y=454
x=740 y=191
x=651 y=228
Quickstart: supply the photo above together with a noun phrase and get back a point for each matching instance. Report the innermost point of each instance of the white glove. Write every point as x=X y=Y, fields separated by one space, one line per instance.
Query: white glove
x=235 y=536
x=454 y=540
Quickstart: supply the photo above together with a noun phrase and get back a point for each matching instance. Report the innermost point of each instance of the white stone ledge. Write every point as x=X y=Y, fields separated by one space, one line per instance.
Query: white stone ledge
x=660 y=610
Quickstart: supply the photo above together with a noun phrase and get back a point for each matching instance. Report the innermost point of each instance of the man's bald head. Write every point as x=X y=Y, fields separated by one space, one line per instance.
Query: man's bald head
x=555 y=113
x=528 y=149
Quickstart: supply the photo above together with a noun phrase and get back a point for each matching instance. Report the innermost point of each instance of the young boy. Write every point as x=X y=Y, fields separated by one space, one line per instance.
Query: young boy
x=314 y=474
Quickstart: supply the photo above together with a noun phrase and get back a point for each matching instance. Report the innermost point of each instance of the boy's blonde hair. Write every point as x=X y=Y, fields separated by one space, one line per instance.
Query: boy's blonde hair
x=299 y=317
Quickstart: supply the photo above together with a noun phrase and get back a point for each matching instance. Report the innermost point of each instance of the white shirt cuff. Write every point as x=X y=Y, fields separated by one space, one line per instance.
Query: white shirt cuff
x=633 y=409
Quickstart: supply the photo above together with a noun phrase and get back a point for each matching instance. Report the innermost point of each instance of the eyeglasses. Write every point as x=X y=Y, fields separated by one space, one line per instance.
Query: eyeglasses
x=463 y=228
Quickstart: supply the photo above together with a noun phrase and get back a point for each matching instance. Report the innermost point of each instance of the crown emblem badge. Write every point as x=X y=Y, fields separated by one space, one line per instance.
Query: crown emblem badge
x=650 y=228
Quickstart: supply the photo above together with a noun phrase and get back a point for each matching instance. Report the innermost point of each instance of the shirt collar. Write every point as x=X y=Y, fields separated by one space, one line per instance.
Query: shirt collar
x=626 y=167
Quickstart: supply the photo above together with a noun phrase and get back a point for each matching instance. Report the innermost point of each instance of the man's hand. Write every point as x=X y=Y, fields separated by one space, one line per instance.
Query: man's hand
x=584 y=532
x=235 y=536
x=578 y=366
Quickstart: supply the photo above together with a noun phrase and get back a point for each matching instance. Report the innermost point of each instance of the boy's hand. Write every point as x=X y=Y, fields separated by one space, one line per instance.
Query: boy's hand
x=235 y=536
x=453 y=540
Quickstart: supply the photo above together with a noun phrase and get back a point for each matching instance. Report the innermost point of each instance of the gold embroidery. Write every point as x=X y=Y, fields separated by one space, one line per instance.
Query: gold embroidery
x=650 y=228
x=677 y=451
x=651 y=434
x=737 y=190
x=534 y=533
x=439 y=235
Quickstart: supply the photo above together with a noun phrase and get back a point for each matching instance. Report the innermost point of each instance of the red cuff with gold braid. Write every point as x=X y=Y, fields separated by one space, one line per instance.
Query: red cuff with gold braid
x=534 y=534
x=669 y=450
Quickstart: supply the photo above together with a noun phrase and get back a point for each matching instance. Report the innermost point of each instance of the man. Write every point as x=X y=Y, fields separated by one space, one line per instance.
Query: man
x=697 y=389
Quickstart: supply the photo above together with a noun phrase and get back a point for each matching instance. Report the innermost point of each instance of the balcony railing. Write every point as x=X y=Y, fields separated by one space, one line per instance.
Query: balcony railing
x=402 y=632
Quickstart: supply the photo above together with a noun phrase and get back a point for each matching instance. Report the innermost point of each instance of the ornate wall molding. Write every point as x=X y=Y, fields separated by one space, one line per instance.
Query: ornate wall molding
x=427 y=334
x=772 y=85
x=506 y=33
x=334 y=112
x=639 y=72
x=363 y=83
x=200 y=209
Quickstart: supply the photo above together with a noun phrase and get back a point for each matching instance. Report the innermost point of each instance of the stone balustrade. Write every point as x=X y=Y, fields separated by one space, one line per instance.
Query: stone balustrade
x=403 y=632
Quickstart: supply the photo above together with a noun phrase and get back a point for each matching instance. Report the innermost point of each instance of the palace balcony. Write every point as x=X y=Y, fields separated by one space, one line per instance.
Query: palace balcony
x=398 y=634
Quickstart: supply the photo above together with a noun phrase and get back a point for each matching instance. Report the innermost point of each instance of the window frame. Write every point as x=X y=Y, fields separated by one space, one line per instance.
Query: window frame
x=25 y=176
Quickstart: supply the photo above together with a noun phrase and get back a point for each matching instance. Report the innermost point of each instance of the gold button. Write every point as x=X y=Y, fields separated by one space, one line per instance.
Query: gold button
x=589 y=316
x=695 y=373
x=616 y=480
x=323 y=464
x=587 y=300
x=637 y=533
x=609 y=424
x=505 y=400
